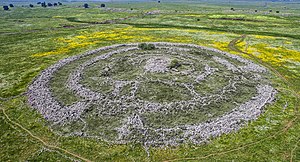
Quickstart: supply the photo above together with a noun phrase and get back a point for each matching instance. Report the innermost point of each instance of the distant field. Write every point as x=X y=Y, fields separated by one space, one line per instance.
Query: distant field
x=32 y=39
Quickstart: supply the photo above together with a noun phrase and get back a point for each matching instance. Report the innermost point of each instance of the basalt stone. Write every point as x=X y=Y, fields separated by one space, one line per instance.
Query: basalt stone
x=134 y=76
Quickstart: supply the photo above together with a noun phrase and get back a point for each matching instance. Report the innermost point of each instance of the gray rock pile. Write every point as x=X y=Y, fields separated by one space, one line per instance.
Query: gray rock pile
x=133 y=127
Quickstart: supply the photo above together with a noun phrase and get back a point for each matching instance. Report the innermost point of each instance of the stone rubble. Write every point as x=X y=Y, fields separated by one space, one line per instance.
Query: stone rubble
x=157 y=64
x=41 y=98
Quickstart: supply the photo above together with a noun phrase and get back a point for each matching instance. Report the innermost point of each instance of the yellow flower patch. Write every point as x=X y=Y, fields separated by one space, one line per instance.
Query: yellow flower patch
x=56 y=52
x=263 y=37
x=194 y=15
x=221 y=45
x=129 y=34
x=66 y=49
x=277 y=56
x=81 y=37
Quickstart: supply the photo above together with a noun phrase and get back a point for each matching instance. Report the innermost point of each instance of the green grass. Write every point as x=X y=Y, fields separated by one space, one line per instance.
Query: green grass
x=25 y=32
x=159 y=92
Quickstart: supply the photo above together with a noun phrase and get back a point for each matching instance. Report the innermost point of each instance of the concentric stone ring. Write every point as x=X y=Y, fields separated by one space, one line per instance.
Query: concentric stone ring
x=167 y=95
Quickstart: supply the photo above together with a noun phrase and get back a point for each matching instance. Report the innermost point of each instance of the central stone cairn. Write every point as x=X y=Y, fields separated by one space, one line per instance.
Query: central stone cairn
x=167 y=95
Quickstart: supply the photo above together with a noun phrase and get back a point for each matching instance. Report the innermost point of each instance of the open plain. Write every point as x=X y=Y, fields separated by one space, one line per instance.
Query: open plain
x=148 y=81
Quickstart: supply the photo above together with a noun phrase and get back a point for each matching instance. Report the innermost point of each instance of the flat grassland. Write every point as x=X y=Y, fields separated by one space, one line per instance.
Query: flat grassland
x=32 y=39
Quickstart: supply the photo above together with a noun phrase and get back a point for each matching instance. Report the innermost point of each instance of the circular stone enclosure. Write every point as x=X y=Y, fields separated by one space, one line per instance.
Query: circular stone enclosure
x=167 y=95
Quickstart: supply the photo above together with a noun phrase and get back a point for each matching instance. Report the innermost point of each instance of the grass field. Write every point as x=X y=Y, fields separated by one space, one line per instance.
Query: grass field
x=32 y=39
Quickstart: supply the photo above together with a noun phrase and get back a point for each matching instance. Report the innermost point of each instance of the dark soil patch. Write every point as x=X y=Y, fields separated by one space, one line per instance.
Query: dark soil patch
x=67 y=26
x=237 y=19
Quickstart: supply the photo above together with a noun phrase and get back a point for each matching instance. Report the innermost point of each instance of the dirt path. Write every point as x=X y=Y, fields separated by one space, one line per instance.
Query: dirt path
x=83 y=24
x=239 y=148
x=294 y=149
x=232 y=46
x=41 y=140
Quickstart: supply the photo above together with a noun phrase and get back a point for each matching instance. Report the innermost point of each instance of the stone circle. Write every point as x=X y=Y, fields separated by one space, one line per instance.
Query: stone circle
x=173 y=94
